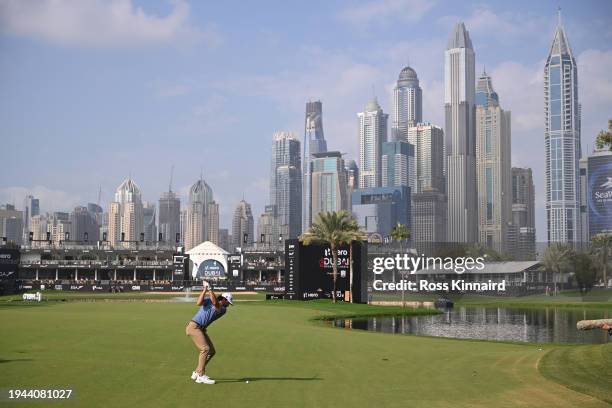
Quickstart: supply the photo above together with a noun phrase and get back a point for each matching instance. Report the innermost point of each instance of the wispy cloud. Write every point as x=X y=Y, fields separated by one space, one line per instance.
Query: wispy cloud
x=379 y=11
x=50 y=199
x=100 y=24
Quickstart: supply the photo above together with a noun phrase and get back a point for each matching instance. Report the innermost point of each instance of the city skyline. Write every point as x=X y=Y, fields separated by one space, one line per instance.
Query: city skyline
x=51 y=129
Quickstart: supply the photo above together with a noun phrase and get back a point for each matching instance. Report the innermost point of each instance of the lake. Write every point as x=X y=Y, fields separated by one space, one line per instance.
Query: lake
x=541 y=325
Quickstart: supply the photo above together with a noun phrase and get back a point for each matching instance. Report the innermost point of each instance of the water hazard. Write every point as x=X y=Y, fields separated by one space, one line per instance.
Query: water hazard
x=542 y=325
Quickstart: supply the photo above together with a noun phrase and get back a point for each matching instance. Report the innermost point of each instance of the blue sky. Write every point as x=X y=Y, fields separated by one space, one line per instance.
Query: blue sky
x=93 y=91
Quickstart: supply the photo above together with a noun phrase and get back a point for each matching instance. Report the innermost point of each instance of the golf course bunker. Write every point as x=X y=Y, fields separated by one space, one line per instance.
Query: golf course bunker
x=541 y=325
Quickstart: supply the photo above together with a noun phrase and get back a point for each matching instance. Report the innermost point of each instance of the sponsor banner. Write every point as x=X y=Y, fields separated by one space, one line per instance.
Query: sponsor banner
x=151 y=287
x=9 y=263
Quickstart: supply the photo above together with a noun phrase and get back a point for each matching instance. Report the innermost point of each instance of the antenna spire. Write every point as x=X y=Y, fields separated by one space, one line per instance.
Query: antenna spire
x=559 y=15
x=171 y=174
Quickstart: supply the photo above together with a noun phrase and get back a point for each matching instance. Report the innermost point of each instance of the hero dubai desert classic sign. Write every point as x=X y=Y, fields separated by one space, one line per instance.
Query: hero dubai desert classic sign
x=208 y=268
x=309 y=268
x=600 y=194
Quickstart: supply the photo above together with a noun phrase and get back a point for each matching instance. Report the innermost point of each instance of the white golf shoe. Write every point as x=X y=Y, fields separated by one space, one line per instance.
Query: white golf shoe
x=204 y=379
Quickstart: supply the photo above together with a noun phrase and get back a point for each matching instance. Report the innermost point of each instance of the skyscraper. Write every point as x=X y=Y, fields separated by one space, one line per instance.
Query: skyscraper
x=196 y=228
x=397 y=164
x=372 y=134
x=460 y=143
x=352 y=181
x=267 y=228
x=314 y=142
x=493 y=166
x=523 y=213
x=428 y=218
x=150 y=226
x=125 y=214
x=31 y=208
x=59 y=227
x=428 y=172
x=286 y=184
x=11 y=224
x=224 y=239
x=407 y=104
x=562 y=141
x=85 y=227
x=242 y=226
x=169 y=217
x=329 y=183
x=212 y=218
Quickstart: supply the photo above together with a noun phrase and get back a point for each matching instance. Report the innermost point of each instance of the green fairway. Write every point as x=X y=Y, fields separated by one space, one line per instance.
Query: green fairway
x=127 y=354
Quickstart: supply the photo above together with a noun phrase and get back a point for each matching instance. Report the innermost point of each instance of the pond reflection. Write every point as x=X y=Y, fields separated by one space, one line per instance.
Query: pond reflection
x=542 y=325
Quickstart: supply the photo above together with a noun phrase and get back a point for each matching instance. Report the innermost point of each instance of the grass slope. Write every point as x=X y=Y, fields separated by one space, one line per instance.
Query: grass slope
x=131 y=354
x=585 y=369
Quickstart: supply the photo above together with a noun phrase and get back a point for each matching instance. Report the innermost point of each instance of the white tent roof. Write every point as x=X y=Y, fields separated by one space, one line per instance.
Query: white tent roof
x=207 y=248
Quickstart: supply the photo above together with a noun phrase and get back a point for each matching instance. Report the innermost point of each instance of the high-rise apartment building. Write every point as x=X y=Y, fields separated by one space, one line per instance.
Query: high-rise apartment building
x=314 y=142
x=212 y=218
x=169 y=217
x=493 y=166
x=85 y=227
x=31 y=208
x=242 y=226
x=267 y=228
x=329 y=183
x=11 y=224
x=460 y=137
x=149 y=214
x=286 y=184
x=428 y=218
x=125 y=215
x=196 y=228
x=397 y=164
x=523 y=213
x=372 y=134
x=407 y=104
x=429 y=158
x=562 y=141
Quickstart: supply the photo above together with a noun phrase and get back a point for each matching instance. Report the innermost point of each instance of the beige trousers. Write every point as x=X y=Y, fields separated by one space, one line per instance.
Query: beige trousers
x=203 y=344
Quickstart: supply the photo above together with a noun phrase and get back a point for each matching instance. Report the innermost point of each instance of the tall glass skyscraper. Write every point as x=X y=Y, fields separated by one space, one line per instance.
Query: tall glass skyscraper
x=196 y=228
x=459 y=87
x=372 y=134
x=493 y=166
x=407 y=104
x=242 y=226
x=286 y=184
x=169 y=219
x=562 y=141
x=329 y=183
x=314 y=142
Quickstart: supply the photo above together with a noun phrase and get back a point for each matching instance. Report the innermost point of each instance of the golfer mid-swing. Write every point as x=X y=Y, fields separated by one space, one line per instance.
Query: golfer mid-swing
x=211 y=309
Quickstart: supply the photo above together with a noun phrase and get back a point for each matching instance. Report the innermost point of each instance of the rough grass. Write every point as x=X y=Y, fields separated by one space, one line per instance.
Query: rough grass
x=126 y=354
x=586 y=369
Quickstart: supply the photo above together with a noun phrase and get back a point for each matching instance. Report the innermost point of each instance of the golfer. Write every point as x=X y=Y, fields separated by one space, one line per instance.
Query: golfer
x=211 y=309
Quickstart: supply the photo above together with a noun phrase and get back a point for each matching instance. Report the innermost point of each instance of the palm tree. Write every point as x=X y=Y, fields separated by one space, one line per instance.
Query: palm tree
x=556 y=259
x=335 y=229
x=356 y=235
x=603 y=244
x=400 y=233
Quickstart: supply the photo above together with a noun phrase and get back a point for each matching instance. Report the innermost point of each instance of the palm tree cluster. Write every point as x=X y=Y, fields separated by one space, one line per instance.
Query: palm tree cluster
x=335 y=228
x=588 y=265
x=401 y=233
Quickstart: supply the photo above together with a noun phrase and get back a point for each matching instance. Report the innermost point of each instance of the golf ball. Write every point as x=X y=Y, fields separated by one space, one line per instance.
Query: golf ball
x=246 y=382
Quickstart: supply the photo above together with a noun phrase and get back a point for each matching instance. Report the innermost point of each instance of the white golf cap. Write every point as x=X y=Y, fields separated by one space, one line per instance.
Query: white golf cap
x=228 y=296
